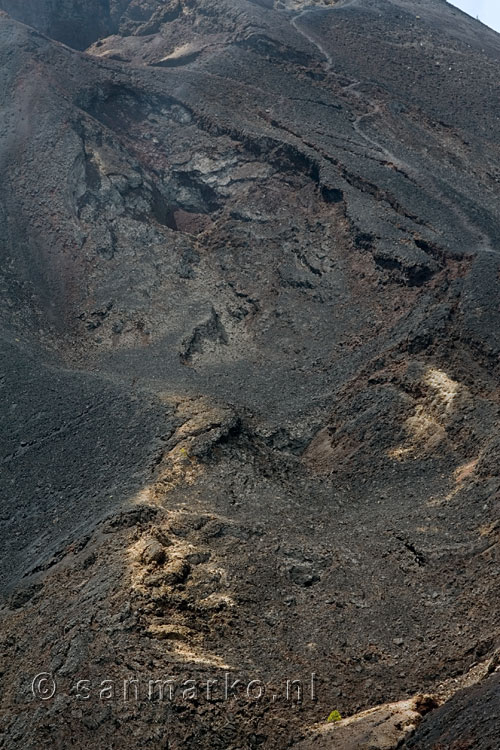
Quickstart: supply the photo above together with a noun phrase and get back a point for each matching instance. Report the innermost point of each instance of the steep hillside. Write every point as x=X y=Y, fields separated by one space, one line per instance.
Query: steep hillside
x=250 y=326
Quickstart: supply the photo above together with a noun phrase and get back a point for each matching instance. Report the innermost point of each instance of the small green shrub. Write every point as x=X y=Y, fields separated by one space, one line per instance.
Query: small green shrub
x=334 y=716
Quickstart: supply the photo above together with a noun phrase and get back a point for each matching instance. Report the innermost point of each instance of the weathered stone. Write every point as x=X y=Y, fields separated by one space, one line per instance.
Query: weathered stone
x=170 y=632
x=380 y=728
x=153 y=553
x=303 y=575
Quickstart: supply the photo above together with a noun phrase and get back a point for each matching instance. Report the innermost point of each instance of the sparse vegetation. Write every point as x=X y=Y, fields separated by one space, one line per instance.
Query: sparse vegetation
x=334 y=716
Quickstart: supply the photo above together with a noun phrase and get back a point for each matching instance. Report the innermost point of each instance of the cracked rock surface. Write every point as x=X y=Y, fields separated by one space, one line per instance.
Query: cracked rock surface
x=250 y=328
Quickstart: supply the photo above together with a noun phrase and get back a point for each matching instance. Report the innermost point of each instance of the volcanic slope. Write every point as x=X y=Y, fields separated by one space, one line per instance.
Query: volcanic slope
x=250 y=331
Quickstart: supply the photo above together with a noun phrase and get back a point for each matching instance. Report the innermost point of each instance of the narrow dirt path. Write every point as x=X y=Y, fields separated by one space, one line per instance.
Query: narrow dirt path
x=484 y=244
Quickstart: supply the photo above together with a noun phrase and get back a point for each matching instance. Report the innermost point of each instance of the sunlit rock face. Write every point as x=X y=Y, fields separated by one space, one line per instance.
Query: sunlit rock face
x=303 y=4
x=249 y=276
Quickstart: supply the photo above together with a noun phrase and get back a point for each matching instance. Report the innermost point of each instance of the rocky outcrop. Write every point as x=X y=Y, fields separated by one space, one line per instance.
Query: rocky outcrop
x=466 y=722
x=380 y=728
